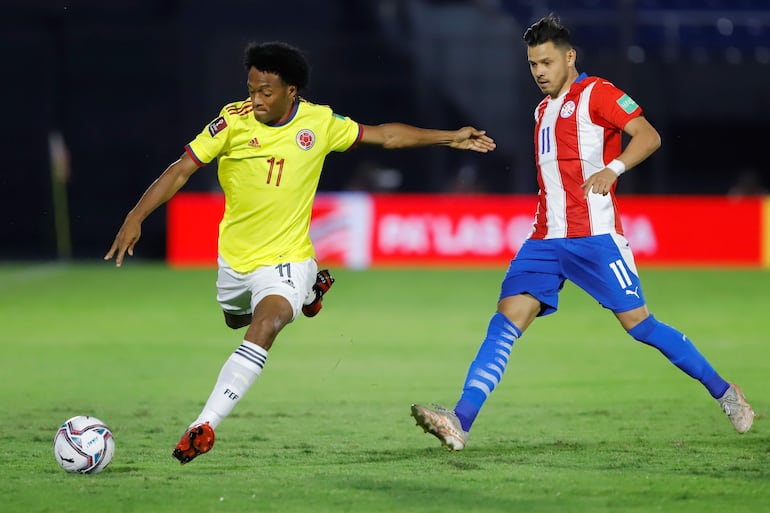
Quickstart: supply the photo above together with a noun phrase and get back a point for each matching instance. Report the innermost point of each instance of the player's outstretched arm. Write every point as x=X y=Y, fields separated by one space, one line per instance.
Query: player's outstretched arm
x=400 y=135
x=159 y=192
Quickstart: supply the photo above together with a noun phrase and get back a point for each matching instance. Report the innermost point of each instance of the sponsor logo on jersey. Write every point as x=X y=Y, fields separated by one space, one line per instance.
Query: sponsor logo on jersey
x=305 y=139
x=567 y=109
x=217 y=126
x=627 y=104
x=254 y=143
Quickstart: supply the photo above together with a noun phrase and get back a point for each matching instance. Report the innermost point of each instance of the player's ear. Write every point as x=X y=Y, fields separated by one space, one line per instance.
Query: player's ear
x=571 y=56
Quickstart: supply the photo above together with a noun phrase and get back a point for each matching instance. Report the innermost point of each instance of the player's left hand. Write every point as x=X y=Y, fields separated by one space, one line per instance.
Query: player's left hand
x=125 y=241
x=599 y=183
x=469 y=138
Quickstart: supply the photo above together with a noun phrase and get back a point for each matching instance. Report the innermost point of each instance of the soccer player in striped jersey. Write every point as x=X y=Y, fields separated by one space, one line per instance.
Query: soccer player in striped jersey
x=270 y=149
x=577 y=234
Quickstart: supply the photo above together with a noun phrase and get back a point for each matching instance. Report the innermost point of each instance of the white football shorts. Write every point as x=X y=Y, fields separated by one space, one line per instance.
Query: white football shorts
x=239 y=294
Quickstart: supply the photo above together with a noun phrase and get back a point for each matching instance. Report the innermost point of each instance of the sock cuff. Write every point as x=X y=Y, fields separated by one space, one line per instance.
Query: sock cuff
x=252 y=353
x=642 y=330
x=501 y=321
x=254 y=347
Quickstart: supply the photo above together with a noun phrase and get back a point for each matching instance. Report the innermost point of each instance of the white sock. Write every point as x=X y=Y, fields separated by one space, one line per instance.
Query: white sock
x=236 y=377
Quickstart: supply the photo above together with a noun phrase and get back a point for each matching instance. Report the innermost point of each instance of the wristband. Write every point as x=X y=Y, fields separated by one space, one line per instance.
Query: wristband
x=617 y=167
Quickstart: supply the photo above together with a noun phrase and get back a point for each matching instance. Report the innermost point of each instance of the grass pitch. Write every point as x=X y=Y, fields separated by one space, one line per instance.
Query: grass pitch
x=585 y=420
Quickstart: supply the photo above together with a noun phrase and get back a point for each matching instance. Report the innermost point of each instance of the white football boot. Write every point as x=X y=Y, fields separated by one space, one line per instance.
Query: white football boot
x=441 y=423
x=734 y=404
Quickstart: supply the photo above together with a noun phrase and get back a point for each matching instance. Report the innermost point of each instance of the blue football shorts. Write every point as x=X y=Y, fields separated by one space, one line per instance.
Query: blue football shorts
x=602 y=265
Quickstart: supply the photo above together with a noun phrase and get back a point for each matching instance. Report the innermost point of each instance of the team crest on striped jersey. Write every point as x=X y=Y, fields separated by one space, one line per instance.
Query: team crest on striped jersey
x=305 y=139
x=217 y=126
x=567 y=109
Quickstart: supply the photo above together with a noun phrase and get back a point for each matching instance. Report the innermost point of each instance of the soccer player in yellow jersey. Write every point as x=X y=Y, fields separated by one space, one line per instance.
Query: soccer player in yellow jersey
x=271 y=149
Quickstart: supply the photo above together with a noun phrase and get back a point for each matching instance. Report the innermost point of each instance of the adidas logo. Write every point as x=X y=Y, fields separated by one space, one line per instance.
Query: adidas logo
x=254 y=143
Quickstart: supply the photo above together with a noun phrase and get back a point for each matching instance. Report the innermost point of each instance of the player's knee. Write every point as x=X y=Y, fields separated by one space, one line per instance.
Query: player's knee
x=633 y=318
x=521 y=309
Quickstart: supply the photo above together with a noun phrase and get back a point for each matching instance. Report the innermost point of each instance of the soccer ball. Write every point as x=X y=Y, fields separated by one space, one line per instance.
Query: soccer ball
x=84 y=444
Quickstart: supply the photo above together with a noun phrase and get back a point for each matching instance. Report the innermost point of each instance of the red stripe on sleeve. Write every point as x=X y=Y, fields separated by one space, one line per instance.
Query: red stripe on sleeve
x=193 y=156
x=358 y=138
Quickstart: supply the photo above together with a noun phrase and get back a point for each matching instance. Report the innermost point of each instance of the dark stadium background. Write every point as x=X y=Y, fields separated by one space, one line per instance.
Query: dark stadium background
x=128 y=83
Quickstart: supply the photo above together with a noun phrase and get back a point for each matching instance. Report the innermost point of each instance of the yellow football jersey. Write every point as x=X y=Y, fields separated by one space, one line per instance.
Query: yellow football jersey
x=269 y=174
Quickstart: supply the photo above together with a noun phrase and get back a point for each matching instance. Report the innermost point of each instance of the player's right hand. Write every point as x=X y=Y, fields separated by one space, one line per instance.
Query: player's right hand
x=599 y=183
x=469 y=138
x=125 y=241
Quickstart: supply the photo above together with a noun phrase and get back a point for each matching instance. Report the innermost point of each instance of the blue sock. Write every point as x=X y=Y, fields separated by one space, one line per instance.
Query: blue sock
x=487 y=369
x=681 y=352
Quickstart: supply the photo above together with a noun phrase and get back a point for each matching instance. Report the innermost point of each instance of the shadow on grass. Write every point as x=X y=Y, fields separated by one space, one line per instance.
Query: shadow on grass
x=735 y=457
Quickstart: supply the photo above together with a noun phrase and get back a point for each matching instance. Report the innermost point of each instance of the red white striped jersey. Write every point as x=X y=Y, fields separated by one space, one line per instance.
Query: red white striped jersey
x=576 y=135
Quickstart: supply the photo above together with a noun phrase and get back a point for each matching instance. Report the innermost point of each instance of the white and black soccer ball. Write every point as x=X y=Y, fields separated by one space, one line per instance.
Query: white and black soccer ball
x=84 y=444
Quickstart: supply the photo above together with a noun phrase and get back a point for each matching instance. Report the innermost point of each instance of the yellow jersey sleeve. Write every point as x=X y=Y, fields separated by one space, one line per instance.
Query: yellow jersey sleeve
x=343 y=133
x=213 y=140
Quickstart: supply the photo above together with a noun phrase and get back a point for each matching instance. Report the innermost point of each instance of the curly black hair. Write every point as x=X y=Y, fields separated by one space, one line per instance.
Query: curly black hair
x=284 y=60
x=548 y=29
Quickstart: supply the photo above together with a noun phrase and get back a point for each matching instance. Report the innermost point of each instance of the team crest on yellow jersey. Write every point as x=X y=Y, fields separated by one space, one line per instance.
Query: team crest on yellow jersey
x=305 y=139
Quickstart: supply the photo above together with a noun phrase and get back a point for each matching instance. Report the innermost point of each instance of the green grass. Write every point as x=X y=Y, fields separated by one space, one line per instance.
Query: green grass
x=586 y=419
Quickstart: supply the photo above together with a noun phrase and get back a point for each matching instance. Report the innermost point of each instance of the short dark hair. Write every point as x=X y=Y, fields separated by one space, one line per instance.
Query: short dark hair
x=284 y=60
x=548 y=29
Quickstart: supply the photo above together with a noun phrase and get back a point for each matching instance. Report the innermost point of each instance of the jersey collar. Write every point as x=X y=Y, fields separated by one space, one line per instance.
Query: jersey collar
x=289 y=117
